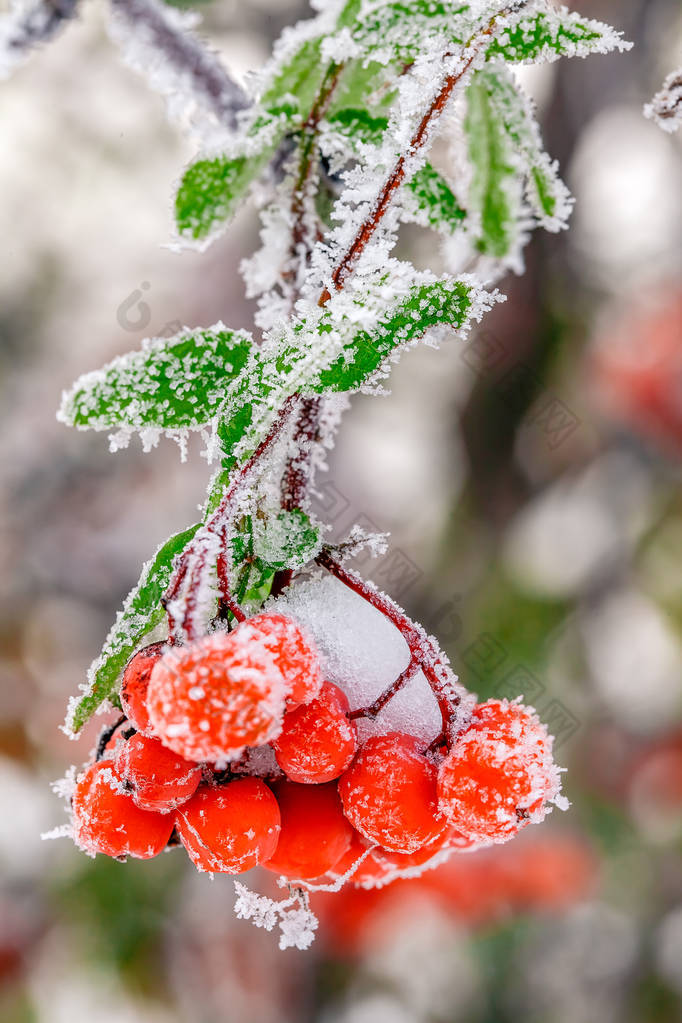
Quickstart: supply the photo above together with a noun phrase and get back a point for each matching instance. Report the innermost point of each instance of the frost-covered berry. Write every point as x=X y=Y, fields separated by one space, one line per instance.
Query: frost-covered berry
x=158 y=778
x=500 y=773
x=315 y=834
x=210 y=699
x=106 y=820
x=135 y=683
x=294 y=653
x=231 y=828
x=317 y=741
x=389 y=793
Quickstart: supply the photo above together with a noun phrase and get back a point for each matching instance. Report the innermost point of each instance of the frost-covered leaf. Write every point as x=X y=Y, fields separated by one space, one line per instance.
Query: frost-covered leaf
x=294 y=83
x=168 y=384
x=286 y=540
x=141 y=612
x=547 y=195
x=429 y=200
x=340 y=347
x=402 y=30
x=433 y=304
x=495 y=189
x=358 y=125
x=551 y=33
x=212 y=189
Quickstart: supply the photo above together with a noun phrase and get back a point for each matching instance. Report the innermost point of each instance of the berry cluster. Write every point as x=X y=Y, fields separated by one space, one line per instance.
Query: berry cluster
x=234 y=746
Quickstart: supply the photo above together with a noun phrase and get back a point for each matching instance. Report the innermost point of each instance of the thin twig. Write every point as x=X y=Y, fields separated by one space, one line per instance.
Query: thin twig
x=423 y=651
x=348 y=261
x=188 y=56
x=374 y=709
x=22 y=30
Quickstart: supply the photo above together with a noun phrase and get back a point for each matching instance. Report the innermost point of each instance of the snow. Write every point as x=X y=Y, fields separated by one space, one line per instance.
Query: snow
x=363 y=653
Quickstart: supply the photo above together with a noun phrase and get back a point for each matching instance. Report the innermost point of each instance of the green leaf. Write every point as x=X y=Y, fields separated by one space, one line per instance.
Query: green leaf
x=494 y=193
x=548 y=35
x=141 y=612
x=286 y=540
x=168 y=384
x=547 y=195
x=357 y=124
x=366 y=86
x=434 y=202
x=404 y=29
x=329 y=354
x=295 y=83
x=430 y=200
x=211 y=190
x=437 y=303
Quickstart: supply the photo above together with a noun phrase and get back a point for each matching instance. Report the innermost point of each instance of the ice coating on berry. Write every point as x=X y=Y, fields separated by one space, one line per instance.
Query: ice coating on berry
x=500 y=774
x=389 y=793
x=317 y=741
x=159 y=778
x=106 y=820
x=315 y=834
x=363 y=653
x=210 y=699
x=135 y=683
x=229 y=829
x=293 y=651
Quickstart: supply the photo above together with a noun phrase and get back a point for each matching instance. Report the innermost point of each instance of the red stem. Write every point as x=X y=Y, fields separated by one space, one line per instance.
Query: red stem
x=397 y=175
x=215 y=524
x=374 y=709
x=422 y=650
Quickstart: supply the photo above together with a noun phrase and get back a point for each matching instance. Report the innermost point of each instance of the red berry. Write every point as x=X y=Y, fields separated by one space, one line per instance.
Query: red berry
x=317 y=741
x=294 y=652
x=231 y=828
x=106 y=820
x=499 y=774
x=210 y=699
x=159 y=779
x=389 y=793
x=135 y=683
x=315 y=834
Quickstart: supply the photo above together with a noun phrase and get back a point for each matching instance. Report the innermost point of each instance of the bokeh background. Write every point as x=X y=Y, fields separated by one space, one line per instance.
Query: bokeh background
x=531 y=483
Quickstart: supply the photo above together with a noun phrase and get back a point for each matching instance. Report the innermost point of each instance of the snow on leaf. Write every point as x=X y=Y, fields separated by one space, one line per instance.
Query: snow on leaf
x=401 y=31
x=141 y=611
x=212 y=188
x=666 y=106
x=550 y=33
x=169 y=384
x=547 y=195
x=429 y=199
x=429 y=304
x=495 y=189
x=286 y=540
x=431 y=202
x=340 y=347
